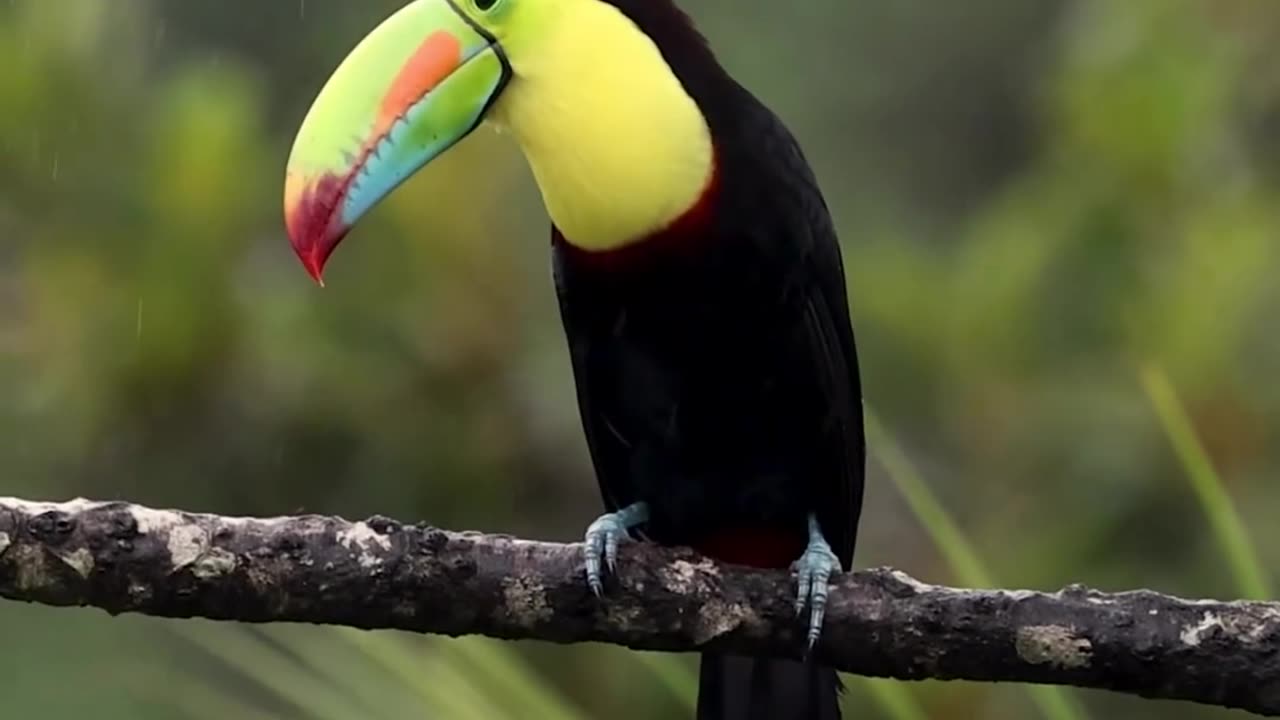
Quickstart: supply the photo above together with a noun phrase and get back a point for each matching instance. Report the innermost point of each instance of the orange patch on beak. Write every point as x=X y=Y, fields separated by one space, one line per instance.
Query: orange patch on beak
x=433 y=61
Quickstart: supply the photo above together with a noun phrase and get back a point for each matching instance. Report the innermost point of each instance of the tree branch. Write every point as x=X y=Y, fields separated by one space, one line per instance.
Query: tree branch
x=382 y=574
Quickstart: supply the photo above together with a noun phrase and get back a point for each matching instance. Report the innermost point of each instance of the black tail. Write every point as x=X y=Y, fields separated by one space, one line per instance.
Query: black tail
x=732 y=687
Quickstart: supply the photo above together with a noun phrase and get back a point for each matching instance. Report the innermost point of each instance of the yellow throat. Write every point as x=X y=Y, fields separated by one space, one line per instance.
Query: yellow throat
x=618 y=148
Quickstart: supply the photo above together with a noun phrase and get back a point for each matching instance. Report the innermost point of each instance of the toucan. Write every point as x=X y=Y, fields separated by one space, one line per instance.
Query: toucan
x=698 y=272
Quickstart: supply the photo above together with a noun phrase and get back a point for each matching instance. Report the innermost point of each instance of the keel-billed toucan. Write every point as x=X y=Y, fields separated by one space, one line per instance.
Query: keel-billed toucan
x=699 y=277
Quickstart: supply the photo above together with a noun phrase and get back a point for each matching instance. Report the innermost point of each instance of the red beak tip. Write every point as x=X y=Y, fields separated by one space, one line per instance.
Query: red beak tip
x=314 y=264
x=313 y=252
x=314 y=227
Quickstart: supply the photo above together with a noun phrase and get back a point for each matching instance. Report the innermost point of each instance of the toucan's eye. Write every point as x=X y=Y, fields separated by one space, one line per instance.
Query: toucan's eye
x=485 y=5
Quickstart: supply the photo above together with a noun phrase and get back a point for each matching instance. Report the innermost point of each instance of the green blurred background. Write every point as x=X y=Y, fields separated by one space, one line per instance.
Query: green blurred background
x=1059 y=220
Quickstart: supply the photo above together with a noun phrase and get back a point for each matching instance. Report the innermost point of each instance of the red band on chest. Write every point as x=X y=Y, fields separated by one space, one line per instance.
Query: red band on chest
x=686 y=234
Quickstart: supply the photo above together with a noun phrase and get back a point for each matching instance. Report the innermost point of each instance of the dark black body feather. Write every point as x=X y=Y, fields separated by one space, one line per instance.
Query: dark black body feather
x=715 y=364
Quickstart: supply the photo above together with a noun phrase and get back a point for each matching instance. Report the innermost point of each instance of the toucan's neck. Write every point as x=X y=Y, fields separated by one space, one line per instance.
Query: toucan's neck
x=618 y=148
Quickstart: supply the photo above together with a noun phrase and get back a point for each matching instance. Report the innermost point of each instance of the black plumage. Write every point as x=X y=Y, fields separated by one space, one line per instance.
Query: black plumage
x=715 y=366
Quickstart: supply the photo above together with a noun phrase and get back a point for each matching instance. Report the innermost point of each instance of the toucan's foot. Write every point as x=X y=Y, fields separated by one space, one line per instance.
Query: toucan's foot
x=603 y=537
x=813 y=571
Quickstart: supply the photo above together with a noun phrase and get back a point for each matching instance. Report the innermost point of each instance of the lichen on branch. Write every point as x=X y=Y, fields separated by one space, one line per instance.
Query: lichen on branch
x=380 y=573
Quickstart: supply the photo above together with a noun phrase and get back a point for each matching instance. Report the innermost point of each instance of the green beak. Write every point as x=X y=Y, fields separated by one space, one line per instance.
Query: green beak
x=420 y=82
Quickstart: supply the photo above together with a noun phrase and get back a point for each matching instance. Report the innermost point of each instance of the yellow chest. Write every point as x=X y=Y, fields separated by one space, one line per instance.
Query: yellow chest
x=618 y=148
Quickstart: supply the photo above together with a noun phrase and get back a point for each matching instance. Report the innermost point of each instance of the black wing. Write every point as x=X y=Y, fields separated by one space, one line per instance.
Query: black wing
x=821 y=296
x=836 y=367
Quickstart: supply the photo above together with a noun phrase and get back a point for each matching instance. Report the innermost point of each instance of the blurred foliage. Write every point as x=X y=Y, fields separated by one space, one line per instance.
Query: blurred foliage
x=1038 y=199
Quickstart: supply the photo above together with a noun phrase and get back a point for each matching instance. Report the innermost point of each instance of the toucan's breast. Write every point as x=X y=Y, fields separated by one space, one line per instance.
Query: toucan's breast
x=617 y=144
x=682 y=241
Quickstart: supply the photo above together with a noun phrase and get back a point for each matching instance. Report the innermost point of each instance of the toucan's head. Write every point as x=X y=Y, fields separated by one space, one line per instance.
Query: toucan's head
x=616 y=143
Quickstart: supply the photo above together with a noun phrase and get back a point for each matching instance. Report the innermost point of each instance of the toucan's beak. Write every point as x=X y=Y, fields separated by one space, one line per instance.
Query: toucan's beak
x=416 y=85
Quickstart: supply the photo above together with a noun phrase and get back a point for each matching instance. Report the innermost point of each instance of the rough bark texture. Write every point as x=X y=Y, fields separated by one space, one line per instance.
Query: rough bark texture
x=383 y=574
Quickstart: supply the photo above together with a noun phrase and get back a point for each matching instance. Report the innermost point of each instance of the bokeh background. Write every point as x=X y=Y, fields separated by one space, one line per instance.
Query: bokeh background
x=1059 y=219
